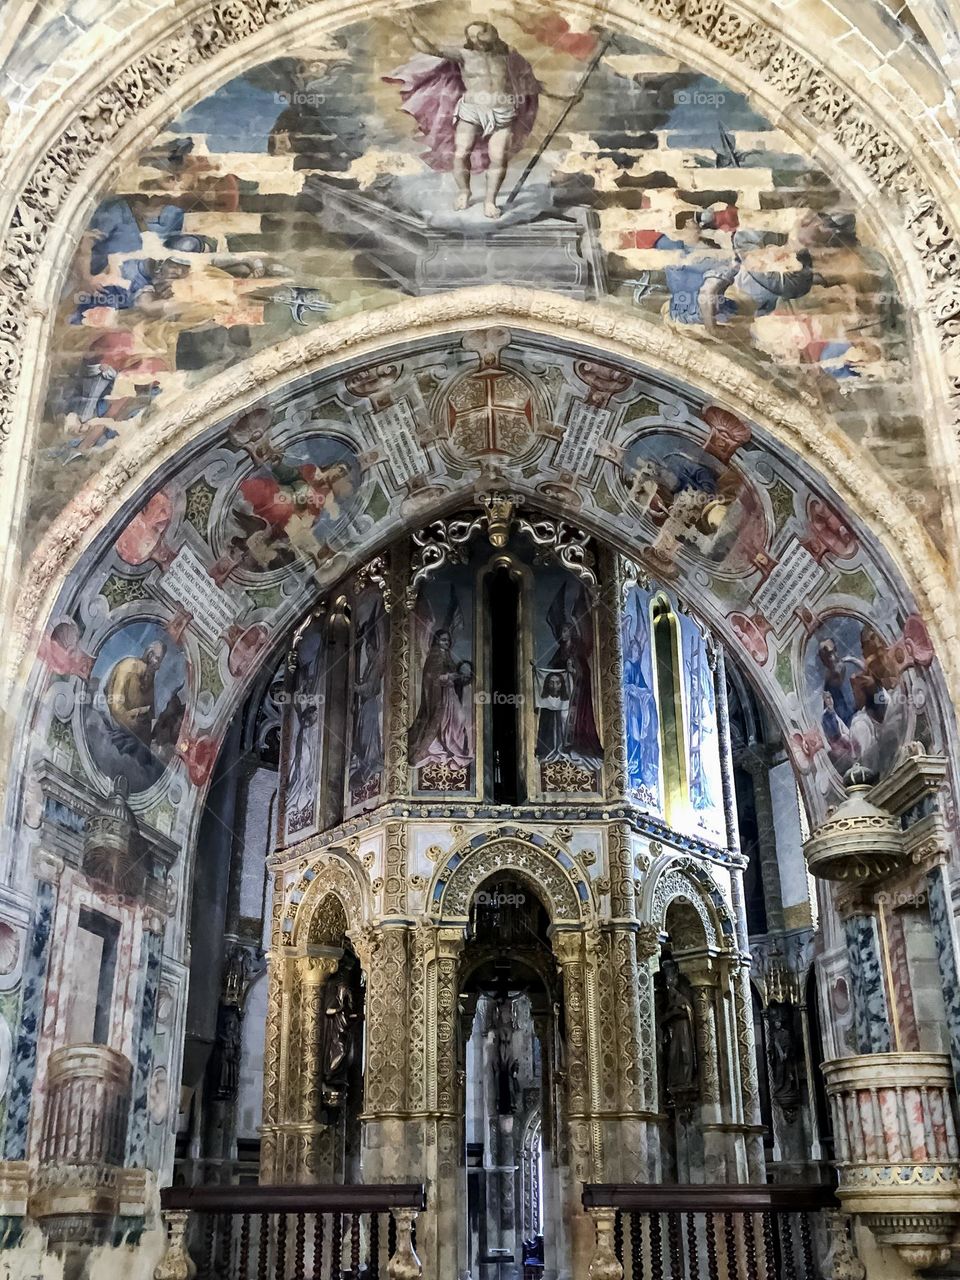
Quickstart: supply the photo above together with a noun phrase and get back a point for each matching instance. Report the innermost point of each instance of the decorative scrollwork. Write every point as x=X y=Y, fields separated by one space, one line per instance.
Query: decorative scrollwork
x=442 y=542
x=556 y=540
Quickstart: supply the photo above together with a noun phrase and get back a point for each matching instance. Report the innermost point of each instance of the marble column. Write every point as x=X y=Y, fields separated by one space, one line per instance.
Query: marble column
x=943 y=924
x=870 y=1010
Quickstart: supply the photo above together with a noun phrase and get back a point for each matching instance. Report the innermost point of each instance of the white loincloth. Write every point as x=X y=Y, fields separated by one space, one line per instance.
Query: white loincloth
x=488 y=118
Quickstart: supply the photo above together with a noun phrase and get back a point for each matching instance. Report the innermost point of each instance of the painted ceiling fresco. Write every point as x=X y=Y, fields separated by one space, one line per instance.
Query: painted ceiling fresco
x=190 y=589
x=424 y=154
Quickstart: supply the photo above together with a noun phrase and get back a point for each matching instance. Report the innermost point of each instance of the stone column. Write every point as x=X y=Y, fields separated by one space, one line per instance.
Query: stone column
x=755 y=762
x=648 y=951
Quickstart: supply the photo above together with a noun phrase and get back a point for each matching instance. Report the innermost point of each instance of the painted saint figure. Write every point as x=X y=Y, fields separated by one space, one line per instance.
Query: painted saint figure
x=441 y=731
x=475 y=104
x=130 y=691
x=640 y=706
x=572 y=661
x=370 y=646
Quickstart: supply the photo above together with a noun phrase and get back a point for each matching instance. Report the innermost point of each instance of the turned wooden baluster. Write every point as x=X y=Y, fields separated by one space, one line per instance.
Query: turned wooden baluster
x=263 y=1246
x=806 y=1244
x=676 y=1246
x=618 y=1237
x=244 y=1246
x=693 y=1260
x=768 y=1244
x=636 y=1246
x=280 y=1266
x=318 y=1246
x=656 y=1247
x=299 y=1257
x=713 y=1266
x=209 y=1243
x=751 y=1243
x=786 y=1235
x=336 y=1248
x=730 y=1240
x=373 y=1263
x=355 y=1244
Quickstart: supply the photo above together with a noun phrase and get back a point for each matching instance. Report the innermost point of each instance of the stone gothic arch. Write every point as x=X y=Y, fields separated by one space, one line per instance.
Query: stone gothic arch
x=303 y=901
x=671 y=879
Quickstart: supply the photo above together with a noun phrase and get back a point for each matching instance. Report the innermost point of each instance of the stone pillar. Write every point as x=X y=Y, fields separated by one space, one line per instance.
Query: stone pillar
x=718 y=1167
x=648 y=951
x=151 y=955
x=756 y=764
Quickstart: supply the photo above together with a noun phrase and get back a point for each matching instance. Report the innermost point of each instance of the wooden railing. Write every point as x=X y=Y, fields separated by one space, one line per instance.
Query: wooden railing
x=292 y=1233
x=713 y=1232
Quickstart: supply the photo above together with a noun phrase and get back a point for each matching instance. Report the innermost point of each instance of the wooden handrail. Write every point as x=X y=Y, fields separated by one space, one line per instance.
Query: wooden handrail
x=377 y=1197
x=775 y=1197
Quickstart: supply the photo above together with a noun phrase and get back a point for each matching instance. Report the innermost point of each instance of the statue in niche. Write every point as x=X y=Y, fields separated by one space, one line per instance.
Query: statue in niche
x=227 y=1053
x=338 y=1035
x=784 y=1053
x=678 y=1037
x=506 y=1065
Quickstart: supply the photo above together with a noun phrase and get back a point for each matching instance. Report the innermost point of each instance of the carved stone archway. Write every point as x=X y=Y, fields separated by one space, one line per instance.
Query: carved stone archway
x=552 y=873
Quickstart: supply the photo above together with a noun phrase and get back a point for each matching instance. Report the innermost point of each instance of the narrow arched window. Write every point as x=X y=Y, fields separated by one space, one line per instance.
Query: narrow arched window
x=667 y=669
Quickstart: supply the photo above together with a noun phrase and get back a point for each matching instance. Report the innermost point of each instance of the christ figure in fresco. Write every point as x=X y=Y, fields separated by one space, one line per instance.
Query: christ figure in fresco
x=475 y=104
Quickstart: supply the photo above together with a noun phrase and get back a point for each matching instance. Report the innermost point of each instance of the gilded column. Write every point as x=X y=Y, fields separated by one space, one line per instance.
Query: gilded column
x=397 y=773
x=442 y=1147
x=611 y=678
x=582 y=1124
x=273 y=1048
x=316 y=1157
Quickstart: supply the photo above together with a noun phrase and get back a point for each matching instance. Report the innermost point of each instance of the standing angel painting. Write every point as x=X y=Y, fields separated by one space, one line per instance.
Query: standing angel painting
x=704 y=774
x=302 y=736
x=640 y=703
x=441 y=738
x=369 y=672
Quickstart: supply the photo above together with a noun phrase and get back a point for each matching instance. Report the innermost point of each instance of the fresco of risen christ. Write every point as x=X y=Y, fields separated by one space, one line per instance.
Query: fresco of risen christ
x=475 y=105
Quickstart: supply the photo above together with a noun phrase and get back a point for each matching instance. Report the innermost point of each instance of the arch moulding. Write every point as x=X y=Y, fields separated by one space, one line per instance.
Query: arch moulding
x=898 y=176
x=565 y=892
x=787 y=419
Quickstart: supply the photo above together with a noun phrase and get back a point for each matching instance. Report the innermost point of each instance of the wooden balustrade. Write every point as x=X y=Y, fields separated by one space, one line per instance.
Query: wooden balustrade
x=743 y=1232
x=363 y=1232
